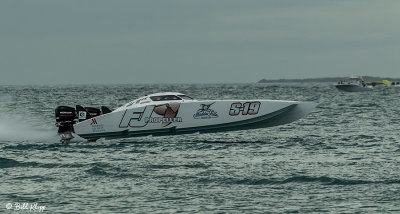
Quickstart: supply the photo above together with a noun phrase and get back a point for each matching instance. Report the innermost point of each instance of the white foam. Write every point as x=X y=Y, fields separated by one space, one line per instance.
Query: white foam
x=17 y=128
x=22 y=127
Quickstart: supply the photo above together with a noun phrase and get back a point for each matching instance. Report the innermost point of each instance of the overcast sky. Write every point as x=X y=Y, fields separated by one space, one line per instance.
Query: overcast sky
x=216 y=41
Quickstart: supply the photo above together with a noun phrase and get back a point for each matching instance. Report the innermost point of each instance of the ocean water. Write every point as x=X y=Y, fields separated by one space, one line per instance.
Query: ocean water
x=344 y=157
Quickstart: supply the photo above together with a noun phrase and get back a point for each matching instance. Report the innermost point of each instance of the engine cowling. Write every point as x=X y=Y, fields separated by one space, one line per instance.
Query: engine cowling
x=67 y=116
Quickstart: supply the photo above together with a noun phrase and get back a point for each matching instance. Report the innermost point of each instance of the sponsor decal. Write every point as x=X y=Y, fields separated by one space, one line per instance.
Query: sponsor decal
x=140 y=117
x=82 y=115
x=164 y=120
x=247 y=108
x=65 y=112
x=205 y=112
x=94 y=122
x=168 y=111
x=97 y=127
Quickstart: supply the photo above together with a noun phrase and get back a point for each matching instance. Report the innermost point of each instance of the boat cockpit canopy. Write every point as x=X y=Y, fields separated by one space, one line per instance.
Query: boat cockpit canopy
x=170 y=97
x=165 y=97
x=158 y=97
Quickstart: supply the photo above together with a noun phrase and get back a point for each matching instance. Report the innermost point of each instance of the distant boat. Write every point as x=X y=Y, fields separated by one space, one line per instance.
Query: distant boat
x=383 y=83
x=388 y=83
x=353 y=84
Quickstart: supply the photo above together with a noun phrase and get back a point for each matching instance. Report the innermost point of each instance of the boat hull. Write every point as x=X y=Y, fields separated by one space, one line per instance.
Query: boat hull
x=195 y=116
x=352 y=88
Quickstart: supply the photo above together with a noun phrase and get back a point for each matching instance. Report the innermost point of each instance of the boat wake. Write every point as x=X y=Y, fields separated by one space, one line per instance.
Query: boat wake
x=17 y=128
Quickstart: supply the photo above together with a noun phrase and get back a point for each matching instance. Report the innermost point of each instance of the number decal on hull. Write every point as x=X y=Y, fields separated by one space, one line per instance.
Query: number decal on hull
x=248 y=108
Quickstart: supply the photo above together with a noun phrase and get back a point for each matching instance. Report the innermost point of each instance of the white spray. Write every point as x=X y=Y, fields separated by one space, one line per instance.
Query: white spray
x=22 y=127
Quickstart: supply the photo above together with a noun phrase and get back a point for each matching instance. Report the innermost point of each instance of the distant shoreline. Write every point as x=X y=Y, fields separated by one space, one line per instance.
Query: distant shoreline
x=329 y=79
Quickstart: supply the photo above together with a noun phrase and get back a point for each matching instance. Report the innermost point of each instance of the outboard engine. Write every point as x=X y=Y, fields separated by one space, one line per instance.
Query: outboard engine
x=67 y=116
x=94 y=112
x=105 y=110
x=85 y=113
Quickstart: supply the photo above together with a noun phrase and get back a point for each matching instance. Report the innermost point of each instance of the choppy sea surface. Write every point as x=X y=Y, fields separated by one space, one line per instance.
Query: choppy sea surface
x=344 y=157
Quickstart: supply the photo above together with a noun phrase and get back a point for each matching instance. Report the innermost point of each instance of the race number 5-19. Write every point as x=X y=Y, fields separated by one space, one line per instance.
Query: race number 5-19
x=248 y=108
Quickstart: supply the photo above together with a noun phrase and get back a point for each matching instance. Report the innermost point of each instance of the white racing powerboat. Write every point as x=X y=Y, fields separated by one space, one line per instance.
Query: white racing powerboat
x=175 y=113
